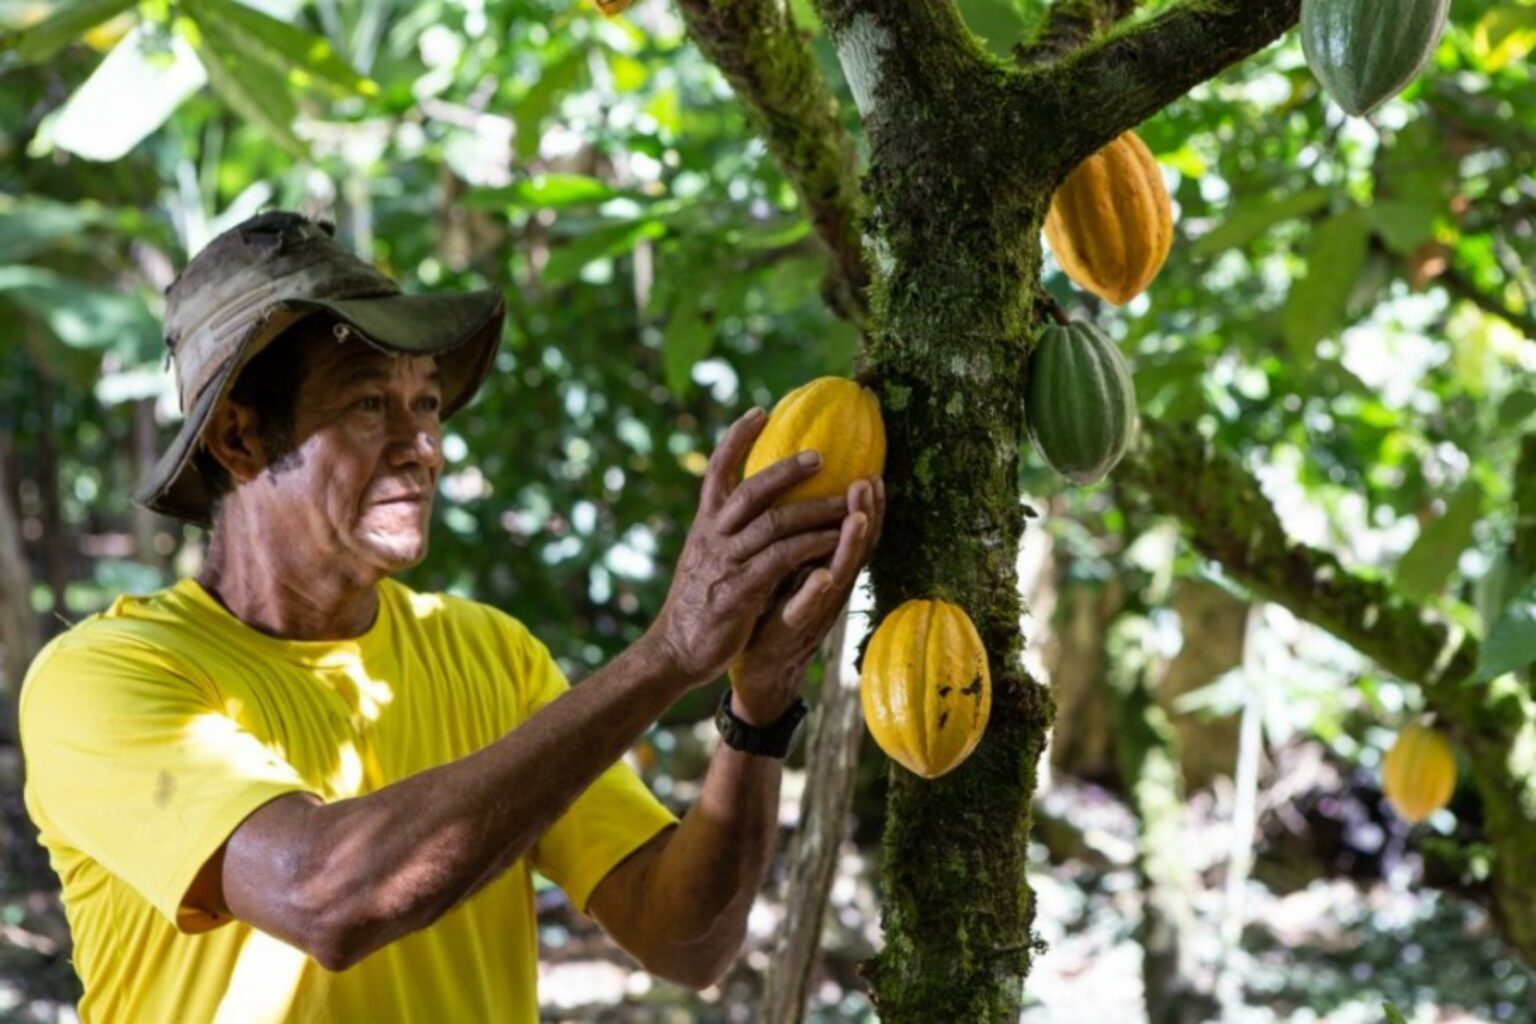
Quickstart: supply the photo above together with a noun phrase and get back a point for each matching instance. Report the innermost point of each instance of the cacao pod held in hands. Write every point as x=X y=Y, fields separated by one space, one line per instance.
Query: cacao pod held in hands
x=831 y=415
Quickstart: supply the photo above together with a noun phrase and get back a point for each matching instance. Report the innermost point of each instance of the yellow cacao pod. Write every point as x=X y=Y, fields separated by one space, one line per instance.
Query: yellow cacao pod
x=1419 y=773
x=925 y=688
x=831 y=415
x=1111 y=223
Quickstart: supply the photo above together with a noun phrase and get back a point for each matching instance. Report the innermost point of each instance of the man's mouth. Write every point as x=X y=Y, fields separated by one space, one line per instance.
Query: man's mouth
x=403 y=499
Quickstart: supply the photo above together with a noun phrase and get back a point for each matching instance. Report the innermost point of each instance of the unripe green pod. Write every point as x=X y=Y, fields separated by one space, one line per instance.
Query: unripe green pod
x=1365 y=51
x=1081 y=403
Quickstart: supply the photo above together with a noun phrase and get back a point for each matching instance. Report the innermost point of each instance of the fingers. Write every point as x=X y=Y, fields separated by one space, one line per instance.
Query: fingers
x=876 y=519
x=784 y=521
x=725 y=462
x=754 y=495
x=804 y=606
x=768 y=567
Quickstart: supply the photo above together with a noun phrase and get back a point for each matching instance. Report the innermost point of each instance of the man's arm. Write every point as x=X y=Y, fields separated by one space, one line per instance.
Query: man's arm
x=679 y=904
x=344 y=879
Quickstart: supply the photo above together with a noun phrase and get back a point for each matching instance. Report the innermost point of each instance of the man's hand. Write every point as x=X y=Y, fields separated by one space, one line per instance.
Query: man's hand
x=769 y=673
x=739 y=553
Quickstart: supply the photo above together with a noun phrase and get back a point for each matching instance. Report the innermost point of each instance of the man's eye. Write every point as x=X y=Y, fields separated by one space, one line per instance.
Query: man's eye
x=371 y=403
x=431 y=403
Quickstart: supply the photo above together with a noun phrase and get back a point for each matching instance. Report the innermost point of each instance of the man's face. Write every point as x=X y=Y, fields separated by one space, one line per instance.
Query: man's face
x=357 y=489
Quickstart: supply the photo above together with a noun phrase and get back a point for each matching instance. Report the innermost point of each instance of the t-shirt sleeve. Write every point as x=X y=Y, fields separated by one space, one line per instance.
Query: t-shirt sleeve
x=131 y=761
x=612 y=818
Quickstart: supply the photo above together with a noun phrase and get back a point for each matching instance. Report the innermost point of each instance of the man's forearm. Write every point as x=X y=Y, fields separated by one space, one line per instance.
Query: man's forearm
x=377 y=867
x=702 y=884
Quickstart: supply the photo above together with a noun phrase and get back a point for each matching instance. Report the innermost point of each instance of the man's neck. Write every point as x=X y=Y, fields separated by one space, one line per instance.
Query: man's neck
x=257 y=583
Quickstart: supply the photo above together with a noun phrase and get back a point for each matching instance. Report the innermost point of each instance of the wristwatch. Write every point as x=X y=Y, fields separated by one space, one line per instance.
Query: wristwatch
x=768 y=741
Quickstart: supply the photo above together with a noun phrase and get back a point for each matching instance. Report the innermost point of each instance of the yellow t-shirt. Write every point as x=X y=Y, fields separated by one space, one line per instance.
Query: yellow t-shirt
x=152 y=730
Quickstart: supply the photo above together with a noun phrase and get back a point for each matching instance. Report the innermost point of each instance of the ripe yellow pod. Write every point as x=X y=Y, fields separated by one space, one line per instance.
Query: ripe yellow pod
x=1111 y=222
x=612 y=8
x=926 y=689
x=831 y=415
x=1419 y=773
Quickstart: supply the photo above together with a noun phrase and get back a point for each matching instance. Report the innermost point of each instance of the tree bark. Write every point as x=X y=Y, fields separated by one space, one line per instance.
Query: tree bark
x=18 y=623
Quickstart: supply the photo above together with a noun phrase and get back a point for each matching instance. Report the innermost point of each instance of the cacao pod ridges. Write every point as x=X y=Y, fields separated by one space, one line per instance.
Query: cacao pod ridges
x=1080 y=406
x=926 y=689
x=1364 y=52
x=1110 y=224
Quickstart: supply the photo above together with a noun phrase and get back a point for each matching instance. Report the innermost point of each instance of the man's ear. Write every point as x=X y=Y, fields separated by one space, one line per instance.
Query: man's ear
x=232 y=437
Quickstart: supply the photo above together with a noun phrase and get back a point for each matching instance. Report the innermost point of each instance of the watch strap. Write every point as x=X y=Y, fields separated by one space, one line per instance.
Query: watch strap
x=766 y=741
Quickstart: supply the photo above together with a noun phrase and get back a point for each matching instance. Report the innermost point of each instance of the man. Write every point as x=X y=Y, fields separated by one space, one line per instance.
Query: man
x=294 y=790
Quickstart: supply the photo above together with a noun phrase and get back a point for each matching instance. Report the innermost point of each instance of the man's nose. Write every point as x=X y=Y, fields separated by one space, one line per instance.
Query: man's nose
x=412 y=439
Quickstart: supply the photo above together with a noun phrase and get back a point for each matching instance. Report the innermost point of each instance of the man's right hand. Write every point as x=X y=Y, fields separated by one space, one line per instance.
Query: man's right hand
x=740 y=550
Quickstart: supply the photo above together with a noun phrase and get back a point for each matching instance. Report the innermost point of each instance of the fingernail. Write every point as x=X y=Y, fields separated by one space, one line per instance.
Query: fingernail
x=880 y=486
x=810 y=458
x=754 y=414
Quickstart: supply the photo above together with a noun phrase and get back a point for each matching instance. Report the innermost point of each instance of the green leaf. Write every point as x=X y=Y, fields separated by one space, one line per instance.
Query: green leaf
x=529 y=112
x=68 y=23
x=1505 y=34
x=1404 y=224
x=1251 y=217
x=35 y=223
x=687 y=339
x=304 y=58
x=1394 y=1016
x=1315 y=308
x=1516 y=408
x=602 y=243
x=544 y=191
x=1511 y=643
x=1424 y=569
x=254 y=91
x=80 y=315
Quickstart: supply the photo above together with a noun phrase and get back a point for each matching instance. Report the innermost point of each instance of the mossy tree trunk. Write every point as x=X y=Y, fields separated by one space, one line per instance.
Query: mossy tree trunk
x=966 y=152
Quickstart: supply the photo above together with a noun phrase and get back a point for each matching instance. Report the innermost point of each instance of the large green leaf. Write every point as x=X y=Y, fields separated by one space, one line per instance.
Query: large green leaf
x=600 y=243
x=302 y=57
x=1249 y=218
x=1424 y=569
x=687 y=339
x=65 y=25
x=1315 y=308
x=80 y=315
x=253 y=90
x=1404 y=224
x=1511 y=642
x=1505 y=34
x=544 y=191
x=33 y=223
x=529 y=112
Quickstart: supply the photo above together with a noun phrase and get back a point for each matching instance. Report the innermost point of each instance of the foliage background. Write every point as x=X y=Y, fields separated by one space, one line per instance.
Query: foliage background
x=1349 y=305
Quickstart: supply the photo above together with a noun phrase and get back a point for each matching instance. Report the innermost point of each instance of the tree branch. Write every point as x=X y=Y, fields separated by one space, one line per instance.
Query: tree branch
x=1070 y=24
x=1231 y=521
x=1525 y=509
x=764 y=56
x=1461 y=286
x=1118 y=82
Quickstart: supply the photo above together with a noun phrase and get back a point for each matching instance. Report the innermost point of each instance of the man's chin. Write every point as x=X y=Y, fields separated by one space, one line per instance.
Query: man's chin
x=396 y=550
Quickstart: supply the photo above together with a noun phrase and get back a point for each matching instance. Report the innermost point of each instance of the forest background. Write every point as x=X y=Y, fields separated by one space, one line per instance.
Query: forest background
x=1347 y=315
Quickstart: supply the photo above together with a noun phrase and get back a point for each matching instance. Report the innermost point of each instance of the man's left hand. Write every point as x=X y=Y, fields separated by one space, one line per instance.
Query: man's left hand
x=768 y=674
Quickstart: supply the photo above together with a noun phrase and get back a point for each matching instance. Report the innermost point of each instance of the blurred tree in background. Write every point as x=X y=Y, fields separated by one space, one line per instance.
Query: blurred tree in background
x=1348 y=320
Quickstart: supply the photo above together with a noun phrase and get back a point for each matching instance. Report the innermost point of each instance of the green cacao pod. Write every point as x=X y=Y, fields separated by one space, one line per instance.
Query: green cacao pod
x=1081 y=403
x=1364 y=51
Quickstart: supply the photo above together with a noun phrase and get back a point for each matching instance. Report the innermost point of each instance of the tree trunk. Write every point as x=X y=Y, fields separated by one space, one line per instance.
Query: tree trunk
x=18 y=623
x=965 y=155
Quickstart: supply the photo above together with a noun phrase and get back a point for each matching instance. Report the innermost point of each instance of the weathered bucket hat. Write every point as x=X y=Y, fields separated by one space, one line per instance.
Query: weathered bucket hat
x=260 y=278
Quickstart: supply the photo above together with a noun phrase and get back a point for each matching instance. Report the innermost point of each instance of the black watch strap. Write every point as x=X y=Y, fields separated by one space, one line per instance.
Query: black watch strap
x=768 y=741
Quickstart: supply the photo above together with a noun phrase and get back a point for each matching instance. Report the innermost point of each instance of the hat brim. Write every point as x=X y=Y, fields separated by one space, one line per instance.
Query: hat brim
x=464 y=328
